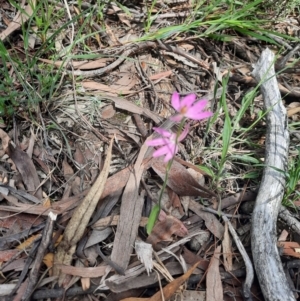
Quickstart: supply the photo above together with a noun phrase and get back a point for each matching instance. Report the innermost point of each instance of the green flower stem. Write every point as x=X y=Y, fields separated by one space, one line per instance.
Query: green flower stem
x=156 y=209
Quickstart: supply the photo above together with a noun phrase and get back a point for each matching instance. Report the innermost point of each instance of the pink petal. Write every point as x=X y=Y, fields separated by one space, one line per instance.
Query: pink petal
x=198 y=115
x=163 y=132
x=188 y=100
x=171 y=154
x=156 y=142
x=177 y=117
x=200 y=105
x=162 y=151
x=168 y=157
x=184 y=133
x=175 y=100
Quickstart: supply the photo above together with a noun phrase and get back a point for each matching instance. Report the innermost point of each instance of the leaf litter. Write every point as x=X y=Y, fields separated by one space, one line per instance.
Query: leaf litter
x=102 y=205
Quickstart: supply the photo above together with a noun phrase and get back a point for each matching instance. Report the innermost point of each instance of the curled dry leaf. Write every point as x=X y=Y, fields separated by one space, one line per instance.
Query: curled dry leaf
x=164 y=229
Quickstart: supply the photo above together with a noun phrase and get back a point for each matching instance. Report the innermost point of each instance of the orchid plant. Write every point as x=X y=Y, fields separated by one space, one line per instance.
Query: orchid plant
x=167 y=145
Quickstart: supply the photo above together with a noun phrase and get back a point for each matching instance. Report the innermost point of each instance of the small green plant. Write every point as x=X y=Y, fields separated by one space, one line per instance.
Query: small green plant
x=292 y=192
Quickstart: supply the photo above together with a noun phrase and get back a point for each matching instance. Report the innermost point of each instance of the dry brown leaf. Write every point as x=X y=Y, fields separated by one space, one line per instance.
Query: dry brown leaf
x=27 y=170
x=21 y=290
x=129 y=106
x=211 y=222
x=214 y=289
x=67 y=169
x=293 y=111
x=169 y=290
x=130 y=215
x=127 y=81
x=48 y=260
x=80 y=219
x=28 y=242
x=190 y=258
x=191 y=296
x=175 y=201
x=110 y=33
x=98 y=86
x=163 y=230
x=22 y=220
x=15 y=265
x=227 y=252
x=7 y=254
x=290 y=248
x=108 y=112
x=33 y=209
x=113 y=221
x=18 y=20
x=82 y=271
x=161 y=75
x=179 y=179
x=113 y=184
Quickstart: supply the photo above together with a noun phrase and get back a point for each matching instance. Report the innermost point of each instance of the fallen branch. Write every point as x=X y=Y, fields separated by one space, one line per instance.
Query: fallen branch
x=266 y=258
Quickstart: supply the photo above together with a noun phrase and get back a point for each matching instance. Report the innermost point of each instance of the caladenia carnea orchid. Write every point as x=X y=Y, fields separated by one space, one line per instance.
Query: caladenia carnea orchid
x=167 y=144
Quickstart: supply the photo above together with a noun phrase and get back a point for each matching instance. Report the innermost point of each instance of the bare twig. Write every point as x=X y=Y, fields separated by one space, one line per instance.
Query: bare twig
x=34 y=273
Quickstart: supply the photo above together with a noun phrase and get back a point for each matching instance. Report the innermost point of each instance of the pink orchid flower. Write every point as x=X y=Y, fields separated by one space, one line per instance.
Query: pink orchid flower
x=189 y=108
x=168 y=143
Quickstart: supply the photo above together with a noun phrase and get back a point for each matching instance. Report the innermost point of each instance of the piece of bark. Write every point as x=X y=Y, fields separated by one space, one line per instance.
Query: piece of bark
x=266 y=258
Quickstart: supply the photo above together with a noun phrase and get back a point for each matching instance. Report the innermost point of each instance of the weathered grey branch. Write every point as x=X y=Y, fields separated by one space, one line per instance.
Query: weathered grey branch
x=266 y=258
x=289 y=220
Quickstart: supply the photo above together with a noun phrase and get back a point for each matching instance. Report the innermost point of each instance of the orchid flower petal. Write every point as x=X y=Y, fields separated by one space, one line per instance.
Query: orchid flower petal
x=175 y=101
x=177 y=117
x=198 y=115
x=168 y=157
x=162 y=151
x=188 y=100
x=163 y=132
x=184 y=133
x=156 y=142
x=199 y=106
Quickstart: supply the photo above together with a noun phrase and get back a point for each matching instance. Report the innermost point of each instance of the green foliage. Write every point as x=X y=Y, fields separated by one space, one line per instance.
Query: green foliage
x=292 y=192
x=211 y=19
